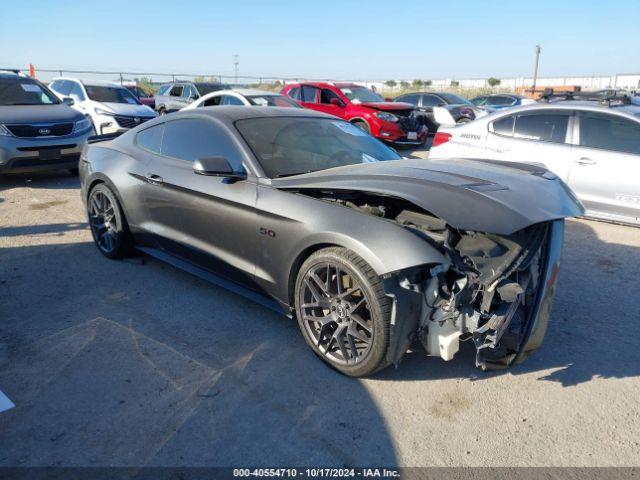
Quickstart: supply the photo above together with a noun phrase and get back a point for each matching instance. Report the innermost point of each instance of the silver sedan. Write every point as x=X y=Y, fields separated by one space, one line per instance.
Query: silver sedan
x=593 y=147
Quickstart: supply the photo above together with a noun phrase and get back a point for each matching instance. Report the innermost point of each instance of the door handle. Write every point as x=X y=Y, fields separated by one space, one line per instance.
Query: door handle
x=153 y=179
x=503 y=150
x=585 y=161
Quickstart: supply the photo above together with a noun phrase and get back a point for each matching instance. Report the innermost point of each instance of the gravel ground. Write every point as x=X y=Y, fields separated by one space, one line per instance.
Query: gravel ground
x=137 y=363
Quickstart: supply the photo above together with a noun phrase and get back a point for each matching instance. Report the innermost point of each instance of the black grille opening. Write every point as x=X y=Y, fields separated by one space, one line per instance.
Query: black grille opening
x=130 y=122
x=33 y=131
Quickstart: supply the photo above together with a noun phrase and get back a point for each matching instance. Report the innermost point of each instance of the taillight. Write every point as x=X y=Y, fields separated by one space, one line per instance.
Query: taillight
x=441 y=138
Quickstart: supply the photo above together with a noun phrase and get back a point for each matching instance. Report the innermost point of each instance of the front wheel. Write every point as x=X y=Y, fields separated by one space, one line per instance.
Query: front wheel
x=108 y=225
x=343 y=312
x=362 y=125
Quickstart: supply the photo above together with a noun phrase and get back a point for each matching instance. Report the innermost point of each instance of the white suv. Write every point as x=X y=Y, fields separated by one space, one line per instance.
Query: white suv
x=593 y=147
x=110 y=107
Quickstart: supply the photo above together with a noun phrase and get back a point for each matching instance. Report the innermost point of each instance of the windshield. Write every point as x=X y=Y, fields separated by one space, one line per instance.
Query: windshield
x=287 y=146
x=22 y=91
x=453 y=99
x=361 y=94
x=204 y=88
x=272 y=101
x=106 y=94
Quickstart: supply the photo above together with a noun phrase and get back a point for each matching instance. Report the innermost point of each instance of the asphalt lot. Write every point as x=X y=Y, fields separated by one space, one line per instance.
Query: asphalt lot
x=136 y=363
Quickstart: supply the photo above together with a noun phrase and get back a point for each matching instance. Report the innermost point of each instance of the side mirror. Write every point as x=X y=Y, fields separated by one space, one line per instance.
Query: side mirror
x=217 y=167
x=68 y=101
x=336 y=102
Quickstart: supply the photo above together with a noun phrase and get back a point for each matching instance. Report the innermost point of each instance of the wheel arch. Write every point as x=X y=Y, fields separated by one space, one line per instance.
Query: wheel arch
x=98 y=179
x=297 y=263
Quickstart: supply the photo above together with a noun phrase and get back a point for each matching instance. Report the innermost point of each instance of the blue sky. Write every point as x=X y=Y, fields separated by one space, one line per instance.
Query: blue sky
x=328 y=39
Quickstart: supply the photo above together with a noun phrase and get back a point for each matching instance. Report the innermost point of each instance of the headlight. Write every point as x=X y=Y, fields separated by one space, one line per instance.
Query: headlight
x=4 y=132
x=100 y=111
x=81 y=125
x=387 y=117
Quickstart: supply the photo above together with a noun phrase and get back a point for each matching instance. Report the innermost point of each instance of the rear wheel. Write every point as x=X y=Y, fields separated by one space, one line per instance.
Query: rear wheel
x=463 y=120
x=108 y=224
x=343 y=312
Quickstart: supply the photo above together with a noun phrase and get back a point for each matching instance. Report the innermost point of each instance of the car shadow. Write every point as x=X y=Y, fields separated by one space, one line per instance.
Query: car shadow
x=134 y=363
x=55 y=179
x=591 y=330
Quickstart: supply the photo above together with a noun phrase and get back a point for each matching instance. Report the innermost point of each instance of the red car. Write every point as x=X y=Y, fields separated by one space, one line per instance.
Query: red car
x=393 y=122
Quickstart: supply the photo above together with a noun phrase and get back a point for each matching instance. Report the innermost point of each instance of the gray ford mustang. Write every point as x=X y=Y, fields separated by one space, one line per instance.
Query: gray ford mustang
x=308 y=214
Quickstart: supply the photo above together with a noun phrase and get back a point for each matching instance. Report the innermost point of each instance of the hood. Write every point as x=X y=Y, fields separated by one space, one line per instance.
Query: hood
x=479 y=195
x=39 y=114
x=128 y=109
x=388 y=106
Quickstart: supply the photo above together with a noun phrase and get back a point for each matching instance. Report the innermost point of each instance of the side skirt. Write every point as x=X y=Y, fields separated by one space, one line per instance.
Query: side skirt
x=215 y=279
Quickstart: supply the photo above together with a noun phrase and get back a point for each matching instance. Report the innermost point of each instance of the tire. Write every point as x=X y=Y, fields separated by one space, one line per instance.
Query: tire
x=463 y=120
x=362 y=125
x=355 y=344
x=105 y=217
x=162 y=111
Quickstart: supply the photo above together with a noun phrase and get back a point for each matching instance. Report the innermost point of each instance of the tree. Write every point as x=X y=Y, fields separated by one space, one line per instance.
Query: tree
x=427 y=83
x=455 y=83
x=146 y=84
x=417 y=83
x=404 y=84
x=390 y=83
x=493 y=81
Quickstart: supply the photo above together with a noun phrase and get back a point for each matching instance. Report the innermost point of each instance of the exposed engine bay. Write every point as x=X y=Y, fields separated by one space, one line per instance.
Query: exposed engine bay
x=484 y=296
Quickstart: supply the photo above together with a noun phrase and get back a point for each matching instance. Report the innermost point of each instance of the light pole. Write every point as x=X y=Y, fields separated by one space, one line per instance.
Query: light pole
x=535 y=70
x=236 y=61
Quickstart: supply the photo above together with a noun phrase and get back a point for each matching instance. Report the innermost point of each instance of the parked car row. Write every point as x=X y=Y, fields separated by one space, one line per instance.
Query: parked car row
x=591 y=142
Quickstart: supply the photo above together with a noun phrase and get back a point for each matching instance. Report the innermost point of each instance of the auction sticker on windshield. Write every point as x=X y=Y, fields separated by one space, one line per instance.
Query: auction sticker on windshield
x=31 y=87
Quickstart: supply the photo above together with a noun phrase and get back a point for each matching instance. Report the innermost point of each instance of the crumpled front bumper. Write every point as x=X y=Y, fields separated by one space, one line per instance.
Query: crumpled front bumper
x=409 y=307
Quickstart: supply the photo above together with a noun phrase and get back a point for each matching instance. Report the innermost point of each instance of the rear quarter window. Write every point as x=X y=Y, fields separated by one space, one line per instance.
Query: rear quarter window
x=504 y=126
x=547 y=127
x=150 y=138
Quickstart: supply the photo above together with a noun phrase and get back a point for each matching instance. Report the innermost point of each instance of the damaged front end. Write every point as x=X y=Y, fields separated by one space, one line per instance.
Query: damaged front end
x=496 y=293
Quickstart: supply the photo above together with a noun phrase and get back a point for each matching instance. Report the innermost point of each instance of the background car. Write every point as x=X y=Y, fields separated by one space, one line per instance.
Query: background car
x=594 y=148
x=243 y=96
x=391 y=122
x=144 y=97
x=312 y=216
x=110 y=107
x=177 y=95
x=37 y=130
x=499 y=101
x=461 y=109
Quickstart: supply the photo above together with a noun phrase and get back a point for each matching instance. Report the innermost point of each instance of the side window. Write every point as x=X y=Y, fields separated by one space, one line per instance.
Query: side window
x=504 y=126
x=163 y=90
x=295 y=93
x=186 y=92
x=150 y=138
x=545 y=127
x=326 y=95
x=609 y=132
x=231 y=100
x=501 y=100
x=411 y=98
x=63 y=87
x=212 y=102
x=192 y=138
x=176 y=91
x=76 y=92
x=309 y=94
x=479 y=101
x=431 y=101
